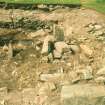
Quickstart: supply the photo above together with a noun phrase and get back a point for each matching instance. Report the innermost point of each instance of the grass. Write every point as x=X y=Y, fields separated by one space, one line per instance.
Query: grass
x=44 y=1
x=98 y=5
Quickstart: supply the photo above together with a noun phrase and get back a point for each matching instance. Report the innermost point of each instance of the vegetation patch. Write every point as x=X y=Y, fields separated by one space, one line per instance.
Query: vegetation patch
x=44 y=1
x=98 y=5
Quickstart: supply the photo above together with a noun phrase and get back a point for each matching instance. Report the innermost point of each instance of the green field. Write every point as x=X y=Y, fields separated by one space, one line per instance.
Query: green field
x=98 y=5
x=44 y=1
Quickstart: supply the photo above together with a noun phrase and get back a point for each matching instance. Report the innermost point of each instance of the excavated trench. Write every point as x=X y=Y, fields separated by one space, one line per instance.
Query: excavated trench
x=17 y=29
x=29 y=69
x=26 y=23
x=35 y=6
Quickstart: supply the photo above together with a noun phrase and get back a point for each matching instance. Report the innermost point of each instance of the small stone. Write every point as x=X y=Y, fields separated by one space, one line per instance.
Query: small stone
x=75 y=48
x=86 y=50
x=57 y=55
x=101 y=71
x=56 y=61
x=37 y=48
x=14 y=73
x=100 y=79
x=69 y=64
x=90 y=30
x=3 y=91
x=76 y=80
x=82 y=39
x=5 y=48
x=32 y=55
x=38 y=33
x=101 y=38
x=91 y=26
x=61 y=70
x=98 y=33
x=51 y=77
x=42 y=6
x=74 y=77
x=88 y=73
x=50 y=57
x=98 y=27
x=60 y=46
x=44 y=59
x=51 y=86
x=39 y=43
x=20 y=46
x=66 y=56
x=45 y=49
x=51 y=9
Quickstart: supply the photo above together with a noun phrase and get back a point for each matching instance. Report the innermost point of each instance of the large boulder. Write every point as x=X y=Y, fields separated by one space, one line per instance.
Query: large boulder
x=83 y=94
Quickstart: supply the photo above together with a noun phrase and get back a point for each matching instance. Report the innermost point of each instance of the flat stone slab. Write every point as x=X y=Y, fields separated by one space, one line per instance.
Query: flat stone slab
x=86 y=94
x=86 y=90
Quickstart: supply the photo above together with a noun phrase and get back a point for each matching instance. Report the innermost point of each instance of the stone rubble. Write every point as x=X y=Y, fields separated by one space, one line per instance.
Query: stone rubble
x=97 y=30
x=51 y=65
